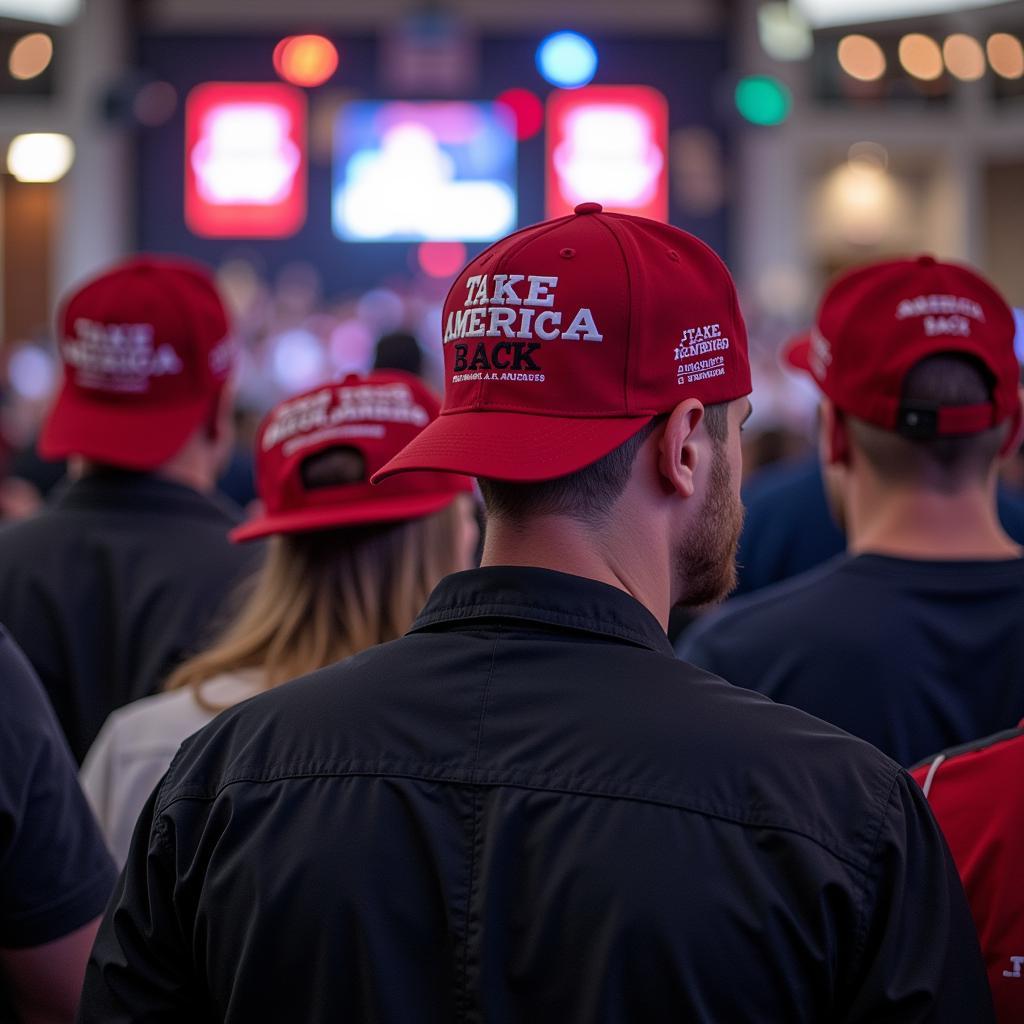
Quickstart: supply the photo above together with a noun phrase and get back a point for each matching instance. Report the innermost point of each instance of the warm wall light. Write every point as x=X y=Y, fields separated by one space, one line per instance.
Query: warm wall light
x=921 y=57
x=861 y=58
x=30 y=56
x=1006 y=55
x=40 y=156
x=783 y=32
x=964 y=57
x=305 y=60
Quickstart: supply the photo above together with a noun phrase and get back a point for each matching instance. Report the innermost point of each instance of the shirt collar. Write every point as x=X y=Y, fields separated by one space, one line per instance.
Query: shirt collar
x=542 y=595
x=143 y=492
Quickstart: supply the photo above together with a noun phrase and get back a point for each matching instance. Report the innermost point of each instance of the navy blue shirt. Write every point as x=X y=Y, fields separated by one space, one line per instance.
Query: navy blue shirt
x=527 y=810
x=55 y=871
x=789 y=529
x=913 y=656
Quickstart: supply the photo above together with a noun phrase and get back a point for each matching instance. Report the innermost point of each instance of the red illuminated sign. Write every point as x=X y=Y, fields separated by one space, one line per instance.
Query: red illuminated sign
x=245 y=160
x=608 y=144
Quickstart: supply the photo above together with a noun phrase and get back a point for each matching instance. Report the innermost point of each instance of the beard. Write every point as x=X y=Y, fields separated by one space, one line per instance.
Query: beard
x=706 y=560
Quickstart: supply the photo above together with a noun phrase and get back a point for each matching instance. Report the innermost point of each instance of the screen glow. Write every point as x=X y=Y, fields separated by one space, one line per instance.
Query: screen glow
x=245 y=172
x=411 y=172
x=608 y=144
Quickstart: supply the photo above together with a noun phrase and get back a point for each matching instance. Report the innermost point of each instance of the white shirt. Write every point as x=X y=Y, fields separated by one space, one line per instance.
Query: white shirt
x=137 y=744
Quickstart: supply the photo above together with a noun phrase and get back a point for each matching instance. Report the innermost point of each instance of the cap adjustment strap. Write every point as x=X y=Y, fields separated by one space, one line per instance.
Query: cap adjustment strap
x=923 y=421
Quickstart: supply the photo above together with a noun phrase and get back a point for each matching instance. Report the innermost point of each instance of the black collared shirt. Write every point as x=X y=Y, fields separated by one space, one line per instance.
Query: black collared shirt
x=111 y=586
x=527 y=810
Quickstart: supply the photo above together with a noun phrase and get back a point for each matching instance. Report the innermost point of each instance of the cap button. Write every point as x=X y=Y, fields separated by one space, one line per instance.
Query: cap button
x=926 y=261
x=588 y=208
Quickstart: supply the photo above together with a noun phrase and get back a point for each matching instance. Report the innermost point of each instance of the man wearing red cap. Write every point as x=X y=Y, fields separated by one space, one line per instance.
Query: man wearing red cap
x=912 y=641
x=526 y=809
x=118 y=579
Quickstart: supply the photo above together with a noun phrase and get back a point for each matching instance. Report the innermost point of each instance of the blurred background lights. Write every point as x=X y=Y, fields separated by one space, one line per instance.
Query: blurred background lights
x=861 y=202
x=350 y=345
x=763 y=100
x=527 y=110
x=1006 y=55
x=921 y=57
x=52 y=12
x=40 y=156
x=441 y=259
x=861 y=58
x=298 y=360
x=869 y=153
x=382 y=308
x=783 y=31
x=567 y=60
x=305 y=60
x=964 y=57
x=32 y=372
x=30 y=56
x=154 y=104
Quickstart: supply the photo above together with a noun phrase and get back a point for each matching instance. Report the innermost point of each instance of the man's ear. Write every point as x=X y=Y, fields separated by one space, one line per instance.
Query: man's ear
x=678 y=449
x=1016 y=432
x=835 y=435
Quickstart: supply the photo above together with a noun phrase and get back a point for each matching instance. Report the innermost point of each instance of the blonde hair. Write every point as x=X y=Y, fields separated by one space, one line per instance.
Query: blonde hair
x=324 y=596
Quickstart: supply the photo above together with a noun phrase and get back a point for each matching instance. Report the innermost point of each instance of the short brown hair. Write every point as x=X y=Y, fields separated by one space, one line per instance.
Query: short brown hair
x=947 y=379
x=589 y=493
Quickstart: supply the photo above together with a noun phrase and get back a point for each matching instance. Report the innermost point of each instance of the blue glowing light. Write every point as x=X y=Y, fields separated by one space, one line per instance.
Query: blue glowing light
x=567 y=60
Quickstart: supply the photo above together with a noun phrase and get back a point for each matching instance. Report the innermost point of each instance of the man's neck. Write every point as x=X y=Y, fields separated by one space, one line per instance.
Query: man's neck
x=927 y=524
x=557 y=543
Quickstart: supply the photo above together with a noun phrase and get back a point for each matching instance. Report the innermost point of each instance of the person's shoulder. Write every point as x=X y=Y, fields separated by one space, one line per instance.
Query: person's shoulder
x=769 y=765
x=20 y=540
x=23 y=697
x=785 y=599
x=986 y=758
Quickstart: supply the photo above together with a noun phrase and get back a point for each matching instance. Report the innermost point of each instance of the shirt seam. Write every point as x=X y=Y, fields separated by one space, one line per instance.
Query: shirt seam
x=862 y=930
x=537 y=781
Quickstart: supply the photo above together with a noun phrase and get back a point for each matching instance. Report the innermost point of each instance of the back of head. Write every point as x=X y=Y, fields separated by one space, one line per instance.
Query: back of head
x=945 y=463
x=399 y=350
x=349 y=565
x=567 y=346
x=146 y=353
x=918 y=356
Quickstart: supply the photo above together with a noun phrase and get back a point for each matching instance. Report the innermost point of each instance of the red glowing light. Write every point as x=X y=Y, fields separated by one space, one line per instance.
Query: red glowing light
x=441 y=259
x=245 y=160
x=608 y=144
x=305 y=60
x=527 y=109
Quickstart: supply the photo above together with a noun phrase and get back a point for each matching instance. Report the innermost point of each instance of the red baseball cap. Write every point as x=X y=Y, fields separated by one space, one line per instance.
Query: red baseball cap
x=564 y=339
x=877 y=322
x=376 y=416
x=146 y=353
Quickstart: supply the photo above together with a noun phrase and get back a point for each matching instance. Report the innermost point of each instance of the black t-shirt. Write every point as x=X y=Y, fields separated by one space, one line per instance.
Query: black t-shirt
x=788 y=528
x=528 y=810
x=913 y=656
x=111 y=586
x=55 y=872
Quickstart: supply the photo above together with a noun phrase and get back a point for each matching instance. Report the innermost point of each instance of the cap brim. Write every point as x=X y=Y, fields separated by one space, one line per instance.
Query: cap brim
x=513 y=446
x=131 y=438
x=796 y=353
x=330 y=517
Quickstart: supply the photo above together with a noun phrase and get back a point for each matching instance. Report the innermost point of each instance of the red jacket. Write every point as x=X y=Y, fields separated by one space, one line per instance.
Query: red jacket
x=977 y=794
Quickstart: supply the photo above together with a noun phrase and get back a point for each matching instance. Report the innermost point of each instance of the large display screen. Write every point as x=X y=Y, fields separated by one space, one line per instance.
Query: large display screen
x=245 y=160
x=424 y=171
x=608 y=144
